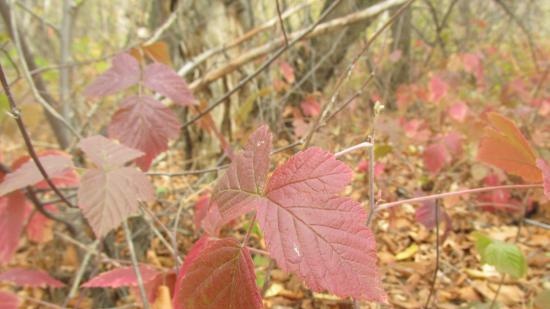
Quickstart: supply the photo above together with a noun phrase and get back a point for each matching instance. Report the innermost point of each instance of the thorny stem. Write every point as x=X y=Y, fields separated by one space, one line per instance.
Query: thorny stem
x=16 y=114
x=135 y=265
x=385 y=206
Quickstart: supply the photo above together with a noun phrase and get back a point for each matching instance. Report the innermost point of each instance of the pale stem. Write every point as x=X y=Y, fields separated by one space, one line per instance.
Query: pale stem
x=135 y=265
x=455 y=193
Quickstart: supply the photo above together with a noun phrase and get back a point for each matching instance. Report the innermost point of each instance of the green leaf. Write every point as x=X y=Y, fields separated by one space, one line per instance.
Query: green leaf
x=482 y=241
x=507 y=258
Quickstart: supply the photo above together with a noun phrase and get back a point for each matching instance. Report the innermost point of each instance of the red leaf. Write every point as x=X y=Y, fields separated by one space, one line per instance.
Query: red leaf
x=162 y=79
x=325 y=242
x=313 y=171
x=30 y=278
x=310 y=106
x=453 y=142
x=122 y=277
x=438 y=88
x=207 y=215
x=110 y=194
x=39 y=228
x=503 y=146
x=105 y=153
x=426 y=216
x=28 y=174
x=219 y=275
x=123 y=73
x=458 y=111
x=287 y=71
x=545 y=169
x=321 y=237
x=495 y=199
x=108 y=197
x=201 y=209
x=193 y=254
x=8 y=301
x=66 y=179
x=145 y=124
x=242 y=186
x=14 y=210
x=435 y=157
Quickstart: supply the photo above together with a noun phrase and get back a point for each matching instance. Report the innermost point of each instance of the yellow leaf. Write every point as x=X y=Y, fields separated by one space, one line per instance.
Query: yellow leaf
x=407 y=253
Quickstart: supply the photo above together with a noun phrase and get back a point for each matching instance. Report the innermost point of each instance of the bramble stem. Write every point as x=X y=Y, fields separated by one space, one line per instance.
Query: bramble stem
x=384 y=206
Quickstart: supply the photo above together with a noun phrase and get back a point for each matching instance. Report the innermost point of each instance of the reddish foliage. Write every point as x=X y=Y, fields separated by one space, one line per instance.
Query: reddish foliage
x=217 y=274
x=545 y=169
x=14 y=210
x=123 y=73
x=164 y=80
x=505 y=147
x=438 y=89
x=8 y=301
x=30 y=278
x=145 y=124
x=310 y=106
x=110 y=194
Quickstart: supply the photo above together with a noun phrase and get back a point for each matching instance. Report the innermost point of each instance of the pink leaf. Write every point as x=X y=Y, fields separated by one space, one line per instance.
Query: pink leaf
x=496 y=199
x=28 y=174
x=220 y=275
x=123 y=73
x=122 y=277
x=311 y=232
x=242 y=186
x=8 y=301
x=108 y=197
x=207 y=215
x=66 y=179
x=162 y=79
x=110 y=194
x=325 y=242
x=438 y=88
x=453 y=142
x=426 y=216
x=458 y=111
x=201 y=209
x=314 y=171
x=287 y=71
x=310 y=106
x=30 y=278
x=14 y=210
x=39 y=228
x=545 y=169
x=379 y=169
x=436 y=157
x=145 y=124
x=105 y=153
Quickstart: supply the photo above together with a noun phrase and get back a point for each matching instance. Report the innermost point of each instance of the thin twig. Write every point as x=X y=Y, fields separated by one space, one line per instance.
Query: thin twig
x=347 y=73
x=434 y=279
x=135 y=265
x=537 y=223
x=372 y=202
x=78 y=277
x=16 y=114
x=266 y=64
x=384 y=206
x=30 y=81
x=281 y=22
